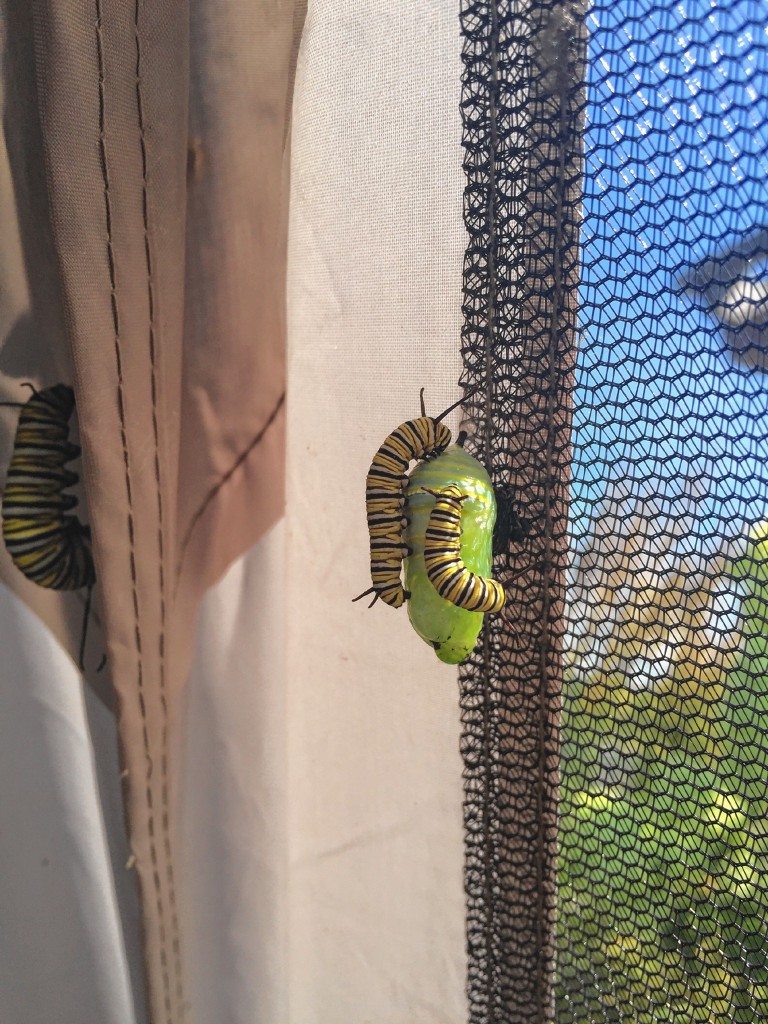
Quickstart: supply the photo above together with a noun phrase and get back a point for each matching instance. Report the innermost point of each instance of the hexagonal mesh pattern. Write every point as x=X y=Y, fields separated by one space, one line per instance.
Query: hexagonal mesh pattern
x=661 y=907
x=522 y=104
x=664 y=844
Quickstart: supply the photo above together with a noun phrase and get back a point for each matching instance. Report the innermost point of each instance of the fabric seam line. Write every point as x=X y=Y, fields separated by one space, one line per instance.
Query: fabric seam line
x=129 y=495
x=241 y=458
x=164 y=810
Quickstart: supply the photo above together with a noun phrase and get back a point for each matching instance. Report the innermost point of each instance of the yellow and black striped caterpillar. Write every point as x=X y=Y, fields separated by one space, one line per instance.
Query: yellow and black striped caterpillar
x=420 y=438
x=442 y=558
x=51 y=547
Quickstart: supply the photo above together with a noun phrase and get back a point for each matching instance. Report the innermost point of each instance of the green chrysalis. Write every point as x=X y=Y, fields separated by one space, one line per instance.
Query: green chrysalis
x=452 y=631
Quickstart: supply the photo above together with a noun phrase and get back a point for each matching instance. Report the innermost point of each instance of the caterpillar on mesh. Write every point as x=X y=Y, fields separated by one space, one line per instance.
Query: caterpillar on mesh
x=421 y=438
x=442 y=558
x=48 y=545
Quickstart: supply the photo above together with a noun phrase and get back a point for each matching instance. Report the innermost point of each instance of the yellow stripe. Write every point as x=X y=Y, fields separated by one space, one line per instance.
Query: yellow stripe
x=442 y=559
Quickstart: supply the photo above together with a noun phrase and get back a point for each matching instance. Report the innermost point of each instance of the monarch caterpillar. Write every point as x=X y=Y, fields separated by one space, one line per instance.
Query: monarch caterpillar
x=51 y=547
x=442 y=558
x=385 y=500
x=451 y=630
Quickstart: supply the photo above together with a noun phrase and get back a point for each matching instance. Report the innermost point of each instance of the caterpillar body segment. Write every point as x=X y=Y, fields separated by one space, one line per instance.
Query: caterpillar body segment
x=425 y=437
x=50 y=546
x=446 y=570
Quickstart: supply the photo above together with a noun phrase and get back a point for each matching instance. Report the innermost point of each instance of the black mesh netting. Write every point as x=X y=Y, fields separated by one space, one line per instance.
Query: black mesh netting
x=522 y=101
x=660 y=911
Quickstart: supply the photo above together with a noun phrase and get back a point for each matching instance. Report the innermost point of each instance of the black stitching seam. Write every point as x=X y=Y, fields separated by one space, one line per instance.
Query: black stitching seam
x=129 y=494
x=164 y=811
x=225 y=478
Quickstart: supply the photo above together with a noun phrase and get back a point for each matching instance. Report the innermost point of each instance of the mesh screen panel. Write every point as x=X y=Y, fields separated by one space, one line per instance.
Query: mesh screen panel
x=663 y=872
x=521 y=103
x=661 y=845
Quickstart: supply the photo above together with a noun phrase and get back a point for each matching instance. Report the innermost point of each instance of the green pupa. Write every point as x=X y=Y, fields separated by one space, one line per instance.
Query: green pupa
x=451 y=631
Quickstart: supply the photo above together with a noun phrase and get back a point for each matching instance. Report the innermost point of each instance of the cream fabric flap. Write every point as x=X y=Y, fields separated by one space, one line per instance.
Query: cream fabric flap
x=233 y=798
x=62 y=956
x=376 y=901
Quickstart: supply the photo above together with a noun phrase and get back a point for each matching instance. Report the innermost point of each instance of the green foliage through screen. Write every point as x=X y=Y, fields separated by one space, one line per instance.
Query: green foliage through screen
x=663 y=869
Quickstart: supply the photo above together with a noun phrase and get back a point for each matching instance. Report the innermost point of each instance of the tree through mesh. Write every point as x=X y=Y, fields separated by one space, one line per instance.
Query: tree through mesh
x=661 y=906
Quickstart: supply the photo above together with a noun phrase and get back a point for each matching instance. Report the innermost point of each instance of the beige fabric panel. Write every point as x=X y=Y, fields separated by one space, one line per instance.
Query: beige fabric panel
x=122 y=288
x=376 y=907
x=178 y=403
x=231 y=489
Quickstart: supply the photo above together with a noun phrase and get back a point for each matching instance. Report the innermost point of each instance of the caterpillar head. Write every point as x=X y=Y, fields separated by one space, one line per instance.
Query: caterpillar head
x=442 y=433
x=450 y=495
x=442 y=438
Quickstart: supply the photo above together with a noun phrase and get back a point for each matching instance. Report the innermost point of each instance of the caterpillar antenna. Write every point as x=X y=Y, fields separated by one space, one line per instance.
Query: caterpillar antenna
x=456 y=404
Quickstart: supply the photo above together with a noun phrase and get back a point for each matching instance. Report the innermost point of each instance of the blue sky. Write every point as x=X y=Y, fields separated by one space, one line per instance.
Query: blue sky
x=676 y=171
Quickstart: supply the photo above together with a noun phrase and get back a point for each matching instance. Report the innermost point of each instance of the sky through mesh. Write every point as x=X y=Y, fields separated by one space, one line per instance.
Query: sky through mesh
x=663 y=864
x=662 y=840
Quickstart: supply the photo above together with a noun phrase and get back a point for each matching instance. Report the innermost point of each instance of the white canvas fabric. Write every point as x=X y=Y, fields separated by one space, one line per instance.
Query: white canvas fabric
x=233 y=798
x=65 y=893
x=376 y=928
x=322 y=825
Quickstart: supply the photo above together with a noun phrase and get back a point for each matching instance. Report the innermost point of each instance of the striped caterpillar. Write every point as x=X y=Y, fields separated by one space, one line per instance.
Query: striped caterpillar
x=49 y=546
x=385 y=501
x=442 y=558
